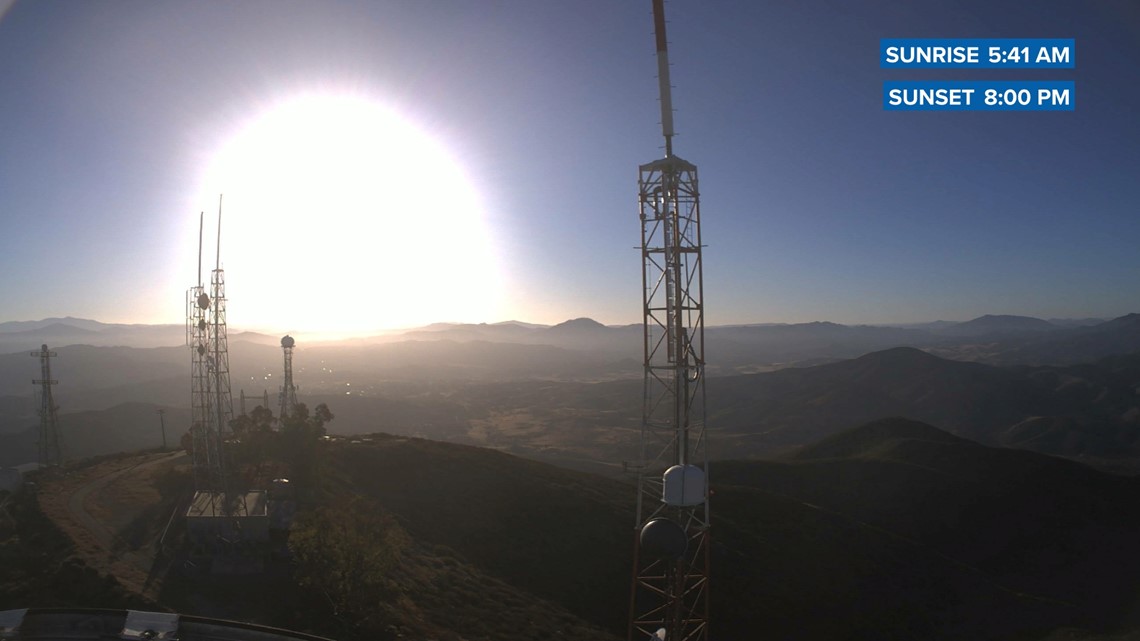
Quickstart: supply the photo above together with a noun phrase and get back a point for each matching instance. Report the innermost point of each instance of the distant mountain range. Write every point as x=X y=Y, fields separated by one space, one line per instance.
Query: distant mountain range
x=994 y=339
x=572 y=392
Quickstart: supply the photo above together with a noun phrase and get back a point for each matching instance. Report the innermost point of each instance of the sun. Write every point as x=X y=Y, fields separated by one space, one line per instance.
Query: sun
x=341 y=216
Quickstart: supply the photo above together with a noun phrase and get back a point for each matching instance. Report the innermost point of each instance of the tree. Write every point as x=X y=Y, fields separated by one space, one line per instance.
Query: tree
x=254 y=436
x=260 y=420
x=307 y=426
x=347 y=551
x=299 y=437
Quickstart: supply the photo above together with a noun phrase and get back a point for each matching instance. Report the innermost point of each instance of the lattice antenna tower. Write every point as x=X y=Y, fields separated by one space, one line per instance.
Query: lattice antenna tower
x=51 y=450
x=670 y=588
x=211 y=400
x=206 y=454
x=288 y=393
x=219 y=341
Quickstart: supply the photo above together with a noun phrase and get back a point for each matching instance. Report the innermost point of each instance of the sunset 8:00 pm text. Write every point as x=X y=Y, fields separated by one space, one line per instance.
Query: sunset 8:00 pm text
x=979 y=96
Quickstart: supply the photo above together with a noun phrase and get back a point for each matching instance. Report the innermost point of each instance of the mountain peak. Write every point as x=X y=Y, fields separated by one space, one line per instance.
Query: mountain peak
x=896 y=356
x=580 y=324
x=873 y=436
x=1002 y=323
x=1121 y=322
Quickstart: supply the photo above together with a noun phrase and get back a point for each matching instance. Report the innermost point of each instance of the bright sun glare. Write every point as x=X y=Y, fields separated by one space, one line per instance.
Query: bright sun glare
x=341 y=216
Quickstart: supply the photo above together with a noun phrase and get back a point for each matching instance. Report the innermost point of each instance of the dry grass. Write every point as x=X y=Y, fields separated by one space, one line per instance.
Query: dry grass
x=110 y=509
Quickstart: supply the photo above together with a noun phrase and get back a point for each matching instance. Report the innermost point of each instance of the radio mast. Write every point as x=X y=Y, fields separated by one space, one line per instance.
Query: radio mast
x=669 y=597
x=51 y=452
x=210 y=399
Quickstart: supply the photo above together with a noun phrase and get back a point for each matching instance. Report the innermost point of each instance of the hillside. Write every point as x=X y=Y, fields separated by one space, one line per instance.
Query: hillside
x=1086 y=411
x=122 y=428
x=999 y=324
x=896 y=530
x=1089 y=412
x=803 y=404
x=40 y=566
x=560 y=535
x=890 y=530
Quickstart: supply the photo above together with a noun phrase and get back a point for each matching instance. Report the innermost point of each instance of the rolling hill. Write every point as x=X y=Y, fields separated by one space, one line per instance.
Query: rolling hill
x=1090 y=412
x=893 y=529
x=1078 y=411
x=898 y=530
x=122 y=428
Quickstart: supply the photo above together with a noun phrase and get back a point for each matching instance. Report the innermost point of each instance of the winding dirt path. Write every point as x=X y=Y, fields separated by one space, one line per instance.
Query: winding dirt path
x=66 y=500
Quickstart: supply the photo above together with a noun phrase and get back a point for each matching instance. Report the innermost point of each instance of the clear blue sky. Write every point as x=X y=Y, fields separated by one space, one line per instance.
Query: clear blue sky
x=817 y=204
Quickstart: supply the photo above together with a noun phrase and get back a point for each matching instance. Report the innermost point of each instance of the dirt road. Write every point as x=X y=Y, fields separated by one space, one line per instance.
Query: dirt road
x=67 y=501
x=76 y=504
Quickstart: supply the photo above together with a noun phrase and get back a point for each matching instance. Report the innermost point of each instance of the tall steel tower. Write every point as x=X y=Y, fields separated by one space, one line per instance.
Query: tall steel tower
x=288 y=393
x=669 y=597
x=211 y=401
x=51 y=452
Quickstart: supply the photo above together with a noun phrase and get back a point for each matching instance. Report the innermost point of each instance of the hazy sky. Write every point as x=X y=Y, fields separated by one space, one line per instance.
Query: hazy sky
x=491 y=152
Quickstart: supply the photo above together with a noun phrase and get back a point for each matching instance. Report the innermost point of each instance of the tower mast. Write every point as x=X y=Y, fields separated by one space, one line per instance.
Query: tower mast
x=669 y=596
x=205 y=454
x=211 y=400
x=51 y=452
x=288 y=395
x=219 y=341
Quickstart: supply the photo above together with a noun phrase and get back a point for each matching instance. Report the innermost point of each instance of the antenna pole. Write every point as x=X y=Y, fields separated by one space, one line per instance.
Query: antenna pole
x=162 y=423
x=201 y=223
x=218 y=254
x=663 y=75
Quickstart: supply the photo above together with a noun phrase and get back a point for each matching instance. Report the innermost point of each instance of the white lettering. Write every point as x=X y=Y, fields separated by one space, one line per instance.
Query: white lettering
x=930 y=97
x=932 y=55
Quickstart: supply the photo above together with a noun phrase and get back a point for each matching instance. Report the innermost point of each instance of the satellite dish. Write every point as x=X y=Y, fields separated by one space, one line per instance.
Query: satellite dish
x=204 y=300
x=663 y=539
x=201 y=323
x=287 y=341
x=201 y=349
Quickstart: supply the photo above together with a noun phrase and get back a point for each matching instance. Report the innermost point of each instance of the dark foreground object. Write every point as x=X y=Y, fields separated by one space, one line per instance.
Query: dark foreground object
x=72 y=623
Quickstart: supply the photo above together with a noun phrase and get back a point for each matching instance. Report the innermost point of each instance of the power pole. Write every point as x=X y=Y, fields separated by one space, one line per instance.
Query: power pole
x=162 y=421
